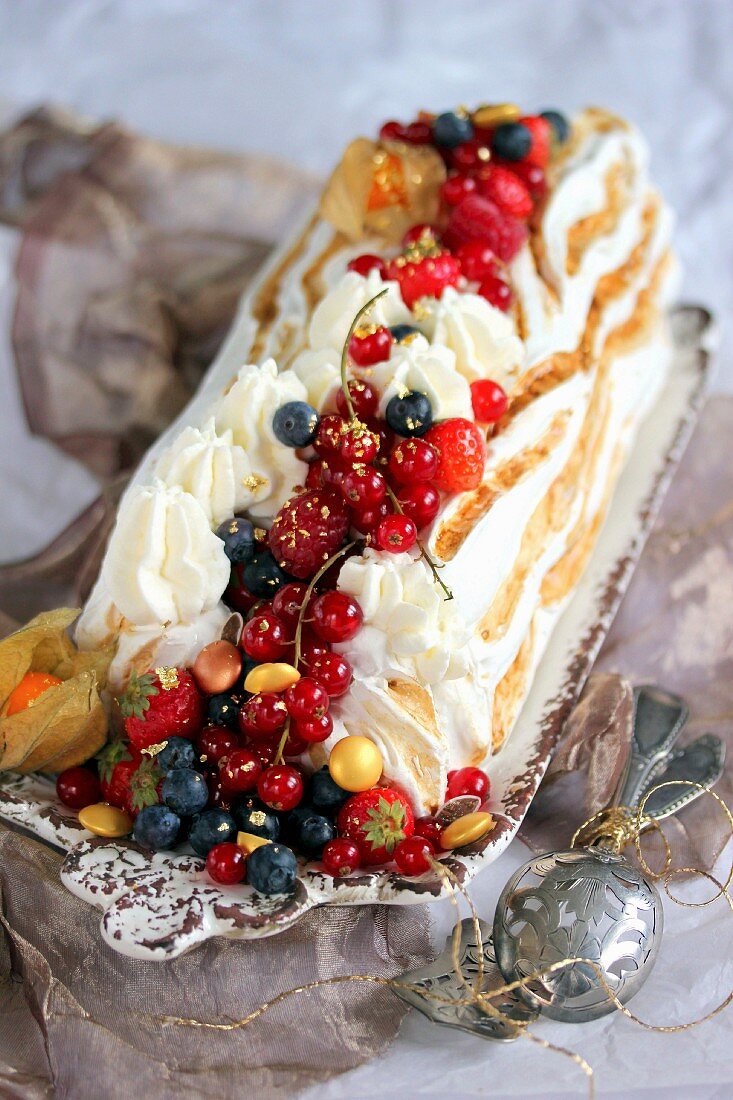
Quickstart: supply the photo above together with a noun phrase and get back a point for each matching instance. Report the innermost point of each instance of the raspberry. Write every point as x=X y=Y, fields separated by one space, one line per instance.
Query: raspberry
x=308 y=530
x=506 y=189
x=477 y=218
x=426 y=277
x=541 y=131
x=461 y=454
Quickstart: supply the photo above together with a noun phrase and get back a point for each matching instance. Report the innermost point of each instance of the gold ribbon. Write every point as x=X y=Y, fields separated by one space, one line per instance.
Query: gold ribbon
x=615 y=827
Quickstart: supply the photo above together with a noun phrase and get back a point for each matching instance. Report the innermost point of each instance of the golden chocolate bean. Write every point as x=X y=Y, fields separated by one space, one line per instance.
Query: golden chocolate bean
x=105 y=820
x=493 y=114
x=464 y=830
x=249 y=841
x=355 y=763
x=217 y=667
x=271 y=676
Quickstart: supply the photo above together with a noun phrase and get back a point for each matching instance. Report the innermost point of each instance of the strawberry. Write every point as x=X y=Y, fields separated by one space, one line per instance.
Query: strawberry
x=129 y=780
x=376 y=820
x=161 y=704
x=480 y=219
x=461 y=453
x=541 y=131
x=505 y=188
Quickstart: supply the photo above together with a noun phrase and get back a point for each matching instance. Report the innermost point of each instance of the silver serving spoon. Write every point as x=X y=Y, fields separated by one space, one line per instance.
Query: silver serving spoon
x=590 y=902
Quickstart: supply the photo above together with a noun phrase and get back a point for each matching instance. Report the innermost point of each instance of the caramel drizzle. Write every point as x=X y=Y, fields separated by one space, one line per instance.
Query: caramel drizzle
x=264 y=304
x=603 y=222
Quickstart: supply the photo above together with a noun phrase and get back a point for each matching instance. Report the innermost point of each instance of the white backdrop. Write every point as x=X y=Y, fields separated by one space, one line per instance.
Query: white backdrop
x=298 y=78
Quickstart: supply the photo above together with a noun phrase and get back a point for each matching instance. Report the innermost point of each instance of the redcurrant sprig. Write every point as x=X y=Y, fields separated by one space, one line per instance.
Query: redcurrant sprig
x=279 y=757
x=365 y=309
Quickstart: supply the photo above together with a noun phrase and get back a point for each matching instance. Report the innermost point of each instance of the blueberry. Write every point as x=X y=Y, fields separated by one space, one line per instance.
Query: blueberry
x=178 y=753
x=559 y=123
x=314 y=833
x=402 y=333
x=272 y=869
x=291 y=822
x=157 y=827
x=296 y=424
x=409 y=415
x=210 y=828
x=450 y=129
x=222 y=710
x=238 y=536
x=511 y=141
x=263 y=576
x=185 y=791
x=253 y=816
x=324 y=794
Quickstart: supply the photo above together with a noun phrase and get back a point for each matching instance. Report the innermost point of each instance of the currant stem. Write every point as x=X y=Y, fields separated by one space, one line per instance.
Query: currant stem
x=299 y=630
x=345 y=351
x=423 y=552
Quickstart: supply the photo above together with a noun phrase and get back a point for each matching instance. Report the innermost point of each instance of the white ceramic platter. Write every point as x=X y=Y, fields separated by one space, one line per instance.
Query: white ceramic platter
x=158 y=906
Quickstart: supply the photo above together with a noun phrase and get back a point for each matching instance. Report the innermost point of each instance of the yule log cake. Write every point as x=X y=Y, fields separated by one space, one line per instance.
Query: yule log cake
x=521 y=271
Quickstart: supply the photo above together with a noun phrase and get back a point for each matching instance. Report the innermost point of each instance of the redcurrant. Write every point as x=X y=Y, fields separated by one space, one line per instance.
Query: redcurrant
x=226 y=863
x=392 y=131
x=306 y=699
x=370 y=345
x=334 y=672
x=489 y=400
x=78 y=787
x=412 y=460
x=216 y=742
x=358 y=445
x=418 y=133
x=265 y=637
x=396 y=534
x=430 y=828
x=281 y=787
x=367 y=520
x=364 y=398
x=413 y=854
x=336 y=616
x=365 y=263
x=497 y=292
x=363 y=487
x=239 y=772
x=311 y=648
x=262 y=715
x=328 y=440
x=456 y=187
x=468 y=781
x=315 y=730
x=341 y=857
x=421 y=502
x=288 y=601
x=477 y=260
x=470 y=154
